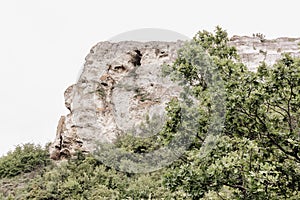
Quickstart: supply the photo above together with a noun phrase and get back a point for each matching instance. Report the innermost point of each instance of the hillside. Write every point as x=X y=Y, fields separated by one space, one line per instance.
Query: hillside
x=215 y=118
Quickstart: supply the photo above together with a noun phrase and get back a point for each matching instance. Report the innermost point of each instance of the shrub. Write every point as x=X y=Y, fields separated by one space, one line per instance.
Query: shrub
x=25 y=158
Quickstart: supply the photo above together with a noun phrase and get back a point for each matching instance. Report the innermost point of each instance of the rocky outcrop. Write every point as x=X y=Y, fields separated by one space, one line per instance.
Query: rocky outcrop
x=121 y=85
x=254 y=50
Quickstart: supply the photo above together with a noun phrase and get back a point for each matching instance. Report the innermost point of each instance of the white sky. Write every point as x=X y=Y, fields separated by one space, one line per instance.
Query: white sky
x=43 y=45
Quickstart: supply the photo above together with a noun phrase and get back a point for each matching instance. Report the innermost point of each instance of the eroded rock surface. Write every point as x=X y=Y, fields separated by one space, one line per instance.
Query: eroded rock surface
x=121 y=85
x=253 y=50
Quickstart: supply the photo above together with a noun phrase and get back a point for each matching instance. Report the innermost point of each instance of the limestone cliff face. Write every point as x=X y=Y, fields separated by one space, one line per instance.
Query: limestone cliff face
x=253 y=50
x=121 y=84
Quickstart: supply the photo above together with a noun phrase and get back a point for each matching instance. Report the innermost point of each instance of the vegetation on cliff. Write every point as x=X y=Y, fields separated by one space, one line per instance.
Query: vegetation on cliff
x=255 y=156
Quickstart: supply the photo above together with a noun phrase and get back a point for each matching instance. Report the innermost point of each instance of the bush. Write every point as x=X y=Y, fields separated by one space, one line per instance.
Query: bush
x=25 y=158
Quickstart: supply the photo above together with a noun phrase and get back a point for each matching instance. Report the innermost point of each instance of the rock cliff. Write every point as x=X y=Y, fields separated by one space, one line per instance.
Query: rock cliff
x=119 y=87
x=121 y=84
x=253 y=50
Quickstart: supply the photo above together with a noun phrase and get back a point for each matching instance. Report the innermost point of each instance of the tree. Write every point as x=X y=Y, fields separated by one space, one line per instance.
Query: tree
x=25 y=158
x=257 y=155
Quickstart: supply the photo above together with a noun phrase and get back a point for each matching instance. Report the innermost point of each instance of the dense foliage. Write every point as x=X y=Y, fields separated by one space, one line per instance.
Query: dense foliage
x=23 y=159
x=257 y=154
x=254 y=156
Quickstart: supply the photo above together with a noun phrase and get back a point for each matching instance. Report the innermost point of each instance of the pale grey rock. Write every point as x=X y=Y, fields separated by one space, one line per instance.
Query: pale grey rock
x=253 y=51
x=120 y=86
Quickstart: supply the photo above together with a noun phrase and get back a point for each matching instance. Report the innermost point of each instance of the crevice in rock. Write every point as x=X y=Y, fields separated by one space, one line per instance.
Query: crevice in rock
x=161 y=53
x=65 y=154
x=136 y=58
x=120 y=68
x=60 y=141
x=104 y=84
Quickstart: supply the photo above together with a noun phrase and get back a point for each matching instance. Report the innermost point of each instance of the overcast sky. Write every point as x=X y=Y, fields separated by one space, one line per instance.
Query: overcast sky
x=43 y=45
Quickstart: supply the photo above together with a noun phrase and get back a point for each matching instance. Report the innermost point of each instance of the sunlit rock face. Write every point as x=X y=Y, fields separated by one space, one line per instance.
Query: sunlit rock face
x=121 y=84
x=254 y=50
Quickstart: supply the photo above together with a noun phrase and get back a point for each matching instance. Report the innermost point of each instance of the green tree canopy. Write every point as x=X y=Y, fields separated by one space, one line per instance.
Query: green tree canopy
x=257 y=155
